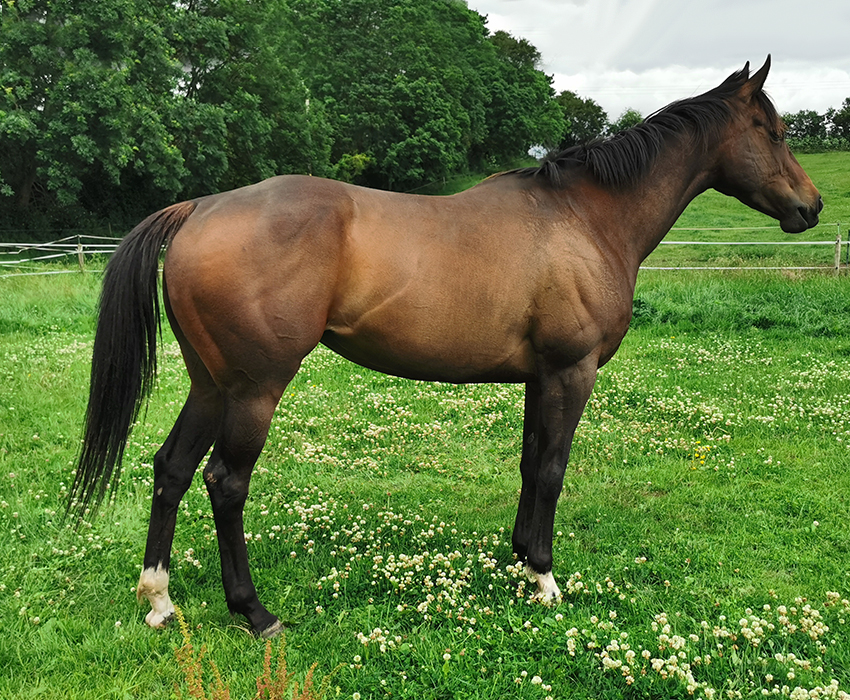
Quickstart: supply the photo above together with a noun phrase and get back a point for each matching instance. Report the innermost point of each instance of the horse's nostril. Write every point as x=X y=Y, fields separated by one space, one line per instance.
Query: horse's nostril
x=810 y=214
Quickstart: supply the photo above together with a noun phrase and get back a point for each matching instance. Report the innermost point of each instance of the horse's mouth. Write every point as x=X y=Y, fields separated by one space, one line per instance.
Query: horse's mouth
x=802 y=218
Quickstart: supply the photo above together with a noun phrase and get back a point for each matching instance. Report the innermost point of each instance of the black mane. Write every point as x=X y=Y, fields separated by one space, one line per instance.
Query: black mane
x=623 y=159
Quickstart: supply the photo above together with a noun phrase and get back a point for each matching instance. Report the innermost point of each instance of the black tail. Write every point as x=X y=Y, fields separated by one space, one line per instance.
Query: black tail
x=124 y=358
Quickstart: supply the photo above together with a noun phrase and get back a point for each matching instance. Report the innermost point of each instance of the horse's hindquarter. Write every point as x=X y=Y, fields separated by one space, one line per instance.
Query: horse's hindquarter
x=251 y=274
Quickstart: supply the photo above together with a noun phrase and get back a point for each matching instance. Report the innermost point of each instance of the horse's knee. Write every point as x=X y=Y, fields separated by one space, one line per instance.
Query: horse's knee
x=225 y=487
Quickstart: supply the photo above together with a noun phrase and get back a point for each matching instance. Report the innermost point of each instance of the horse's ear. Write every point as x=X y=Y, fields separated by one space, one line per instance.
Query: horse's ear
x=756 y=81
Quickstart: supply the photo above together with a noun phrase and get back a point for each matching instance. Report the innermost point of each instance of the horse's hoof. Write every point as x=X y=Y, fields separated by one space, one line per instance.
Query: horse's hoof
x=159 y=620
x=272 y=630
x=548 y=599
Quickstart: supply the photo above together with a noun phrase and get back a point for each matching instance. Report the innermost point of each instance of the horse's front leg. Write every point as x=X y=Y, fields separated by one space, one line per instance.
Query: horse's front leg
x=528 y=467
x=562 y=395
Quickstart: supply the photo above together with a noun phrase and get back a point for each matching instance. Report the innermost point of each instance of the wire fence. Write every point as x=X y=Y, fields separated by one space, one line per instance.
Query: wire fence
x=833 y=264
x=23 y=259
x=90 y=252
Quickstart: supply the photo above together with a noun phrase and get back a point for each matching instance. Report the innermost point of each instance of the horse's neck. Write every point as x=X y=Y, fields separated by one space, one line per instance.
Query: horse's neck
x=646 y=211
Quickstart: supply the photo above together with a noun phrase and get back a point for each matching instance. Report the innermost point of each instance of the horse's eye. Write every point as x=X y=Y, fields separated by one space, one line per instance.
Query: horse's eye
x=775 y=136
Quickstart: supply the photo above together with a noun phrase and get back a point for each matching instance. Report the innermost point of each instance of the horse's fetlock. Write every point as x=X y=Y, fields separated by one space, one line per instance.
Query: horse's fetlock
x=520 y=549
x=539 y=564
x=241 y=599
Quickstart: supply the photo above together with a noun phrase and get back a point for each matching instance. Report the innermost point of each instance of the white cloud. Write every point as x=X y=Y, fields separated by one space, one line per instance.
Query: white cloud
x=792 y=89
x=647 y=53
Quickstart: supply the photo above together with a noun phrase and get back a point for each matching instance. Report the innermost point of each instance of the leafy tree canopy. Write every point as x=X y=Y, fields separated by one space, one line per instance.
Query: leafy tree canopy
x=86 y=89
x=629 y=118
x=810 y=131
x=110 y=109
x=841 y=121
x=418 y=90
x=115 y=107
x=584 y=119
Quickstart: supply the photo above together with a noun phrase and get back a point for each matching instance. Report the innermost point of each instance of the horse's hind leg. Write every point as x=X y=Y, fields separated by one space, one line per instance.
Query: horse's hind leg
x=174 y=465
x=243 y=432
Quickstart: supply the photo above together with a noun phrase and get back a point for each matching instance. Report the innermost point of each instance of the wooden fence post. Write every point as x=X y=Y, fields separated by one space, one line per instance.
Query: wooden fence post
x=80 y=256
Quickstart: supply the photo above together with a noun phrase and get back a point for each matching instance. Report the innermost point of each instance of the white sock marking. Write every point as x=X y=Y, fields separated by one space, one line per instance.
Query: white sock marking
x=153 y=585
x=547 y=590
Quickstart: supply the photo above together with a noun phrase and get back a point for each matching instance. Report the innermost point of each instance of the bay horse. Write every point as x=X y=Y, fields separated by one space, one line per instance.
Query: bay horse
x=527 y=277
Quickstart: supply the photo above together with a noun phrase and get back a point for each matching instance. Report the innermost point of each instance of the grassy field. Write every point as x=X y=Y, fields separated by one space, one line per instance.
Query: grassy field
x=702 y=539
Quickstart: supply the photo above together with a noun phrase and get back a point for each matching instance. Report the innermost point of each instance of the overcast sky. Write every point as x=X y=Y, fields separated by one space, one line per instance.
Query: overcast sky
x=646 y=53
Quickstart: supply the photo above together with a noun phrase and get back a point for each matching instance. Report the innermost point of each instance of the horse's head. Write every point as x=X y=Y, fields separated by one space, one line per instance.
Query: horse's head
x=756 y=165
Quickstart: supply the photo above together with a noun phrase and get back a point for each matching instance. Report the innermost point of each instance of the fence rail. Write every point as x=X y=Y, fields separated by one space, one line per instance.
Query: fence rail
x=836 y=244
x=25 y=259
x=20 y=255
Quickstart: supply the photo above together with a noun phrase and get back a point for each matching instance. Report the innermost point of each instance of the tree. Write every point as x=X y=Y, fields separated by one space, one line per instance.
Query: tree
x=246 y=114
x=520 y=53
x=805 y=124
x=584 y=119
x=86 y=93
x=119 y=106
x=629 y=118
x=521 y=111
x=841 y=122
x=809 y=131
x=399 y=83
x=417 y=90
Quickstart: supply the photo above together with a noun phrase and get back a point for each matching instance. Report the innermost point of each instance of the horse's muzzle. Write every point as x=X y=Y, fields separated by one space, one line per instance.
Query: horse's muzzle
x=805 y=217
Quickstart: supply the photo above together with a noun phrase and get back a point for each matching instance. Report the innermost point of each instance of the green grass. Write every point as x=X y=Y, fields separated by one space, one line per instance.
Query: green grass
x=703 y=521
x=708 y=479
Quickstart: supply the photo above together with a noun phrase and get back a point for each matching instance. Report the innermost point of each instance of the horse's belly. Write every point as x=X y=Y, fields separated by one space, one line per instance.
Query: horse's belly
x=417 y=354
